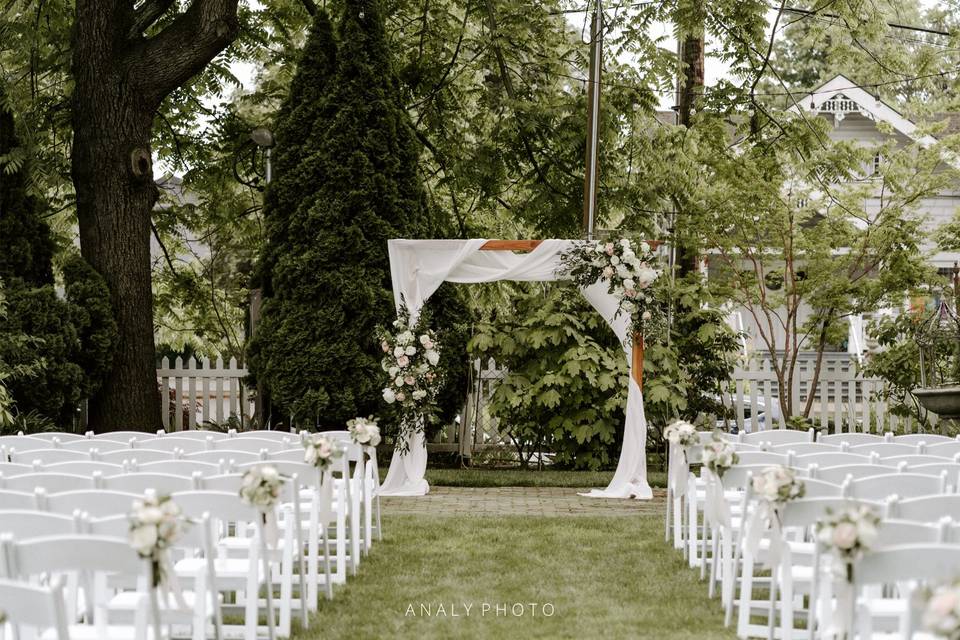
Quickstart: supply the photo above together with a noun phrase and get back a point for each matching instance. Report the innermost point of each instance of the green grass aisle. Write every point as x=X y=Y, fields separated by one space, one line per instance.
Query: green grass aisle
x=605 y=577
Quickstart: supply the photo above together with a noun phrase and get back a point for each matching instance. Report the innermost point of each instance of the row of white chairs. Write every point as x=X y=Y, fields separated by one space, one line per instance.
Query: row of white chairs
x=913 y=491
x=343 y=506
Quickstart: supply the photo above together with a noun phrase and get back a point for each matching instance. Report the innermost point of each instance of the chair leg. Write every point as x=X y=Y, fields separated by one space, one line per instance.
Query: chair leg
x=326 y=564
x=666 y=520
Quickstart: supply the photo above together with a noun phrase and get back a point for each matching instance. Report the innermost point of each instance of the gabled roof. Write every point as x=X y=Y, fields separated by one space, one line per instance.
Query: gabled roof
x=842 y=96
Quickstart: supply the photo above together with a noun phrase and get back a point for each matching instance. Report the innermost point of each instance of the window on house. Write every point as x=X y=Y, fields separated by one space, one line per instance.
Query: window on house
x=877 y=159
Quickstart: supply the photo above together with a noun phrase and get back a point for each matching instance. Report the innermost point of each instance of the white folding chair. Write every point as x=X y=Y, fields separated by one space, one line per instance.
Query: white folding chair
x=885 y=449
x=170 y=443
x=369 y=486
x=82 y=468
x=854 y=438
x=903 y=485
x=50 y=482
x=914 y=460
x=59 y=436
x=134 y=457
x=179 y=467
x=252 y=445
x=47 y=456
x=803 y=448
x=98 y=445
x=18 y=500
x=840 y=473
x=17 y=469
x=30 y=523
x=929 y=508
x=34 y=610
x=120 y=436
x=25 y=443
x=277 y=435
x=917 y=438
x=239 y=575
x=97 y=502
x=196 y=434
x=223 y=457
x=949 y=449
x=832 y=458
x=776 y=436
x=142 y=482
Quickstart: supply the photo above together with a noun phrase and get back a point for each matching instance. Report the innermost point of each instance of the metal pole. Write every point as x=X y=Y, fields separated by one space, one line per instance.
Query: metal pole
x=592 y=168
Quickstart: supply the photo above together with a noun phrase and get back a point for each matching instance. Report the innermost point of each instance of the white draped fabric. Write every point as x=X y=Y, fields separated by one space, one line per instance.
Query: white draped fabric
x=419 y=267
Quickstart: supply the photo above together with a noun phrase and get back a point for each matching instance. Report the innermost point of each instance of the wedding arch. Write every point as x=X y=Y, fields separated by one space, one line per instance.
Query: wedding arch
x=419 y=267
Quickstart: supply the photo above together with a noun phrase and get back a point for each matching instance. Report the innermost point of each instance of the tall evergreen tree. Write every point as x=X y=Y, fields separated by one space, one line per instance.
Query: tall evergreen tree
x=73 y=337
x=352 y=186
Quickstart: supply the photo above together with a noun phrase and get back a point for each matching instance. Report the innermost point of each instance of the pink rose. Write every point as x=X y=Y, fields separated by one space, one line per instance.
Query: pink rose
x=403 y=361
x=608 y=272
x=410 y=380
x=630 y=293
x=401 y=396
x=430 y=375
x=385 y=346
x=943 y=603
x=608 y=248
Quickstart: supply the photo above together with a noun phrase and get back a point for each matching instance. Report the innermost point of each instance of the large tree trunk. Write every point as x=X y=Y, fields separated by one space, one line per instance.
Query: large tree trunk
x=121 y=78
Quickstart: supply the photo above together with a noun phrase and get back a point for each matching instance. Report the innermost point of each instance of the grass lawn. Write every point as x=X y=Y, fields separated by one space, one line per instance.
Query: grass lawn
x=526 y=478
x=605 y=577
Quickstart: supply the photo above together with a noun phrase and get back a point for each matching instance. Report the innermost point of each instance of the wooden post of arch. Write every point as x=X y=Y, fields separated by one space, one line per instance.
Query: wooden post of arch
x=636 y=365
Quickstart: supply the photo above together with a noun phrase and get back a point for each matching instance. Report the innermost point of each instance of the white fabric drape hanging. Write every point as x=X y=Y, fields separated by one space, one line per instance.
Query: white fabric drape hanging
x=419 y=267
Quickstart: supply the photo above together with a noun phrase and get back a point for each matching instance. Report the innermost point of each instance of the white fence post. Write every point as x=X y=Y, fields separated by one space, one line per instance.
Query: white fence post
x=194 y=392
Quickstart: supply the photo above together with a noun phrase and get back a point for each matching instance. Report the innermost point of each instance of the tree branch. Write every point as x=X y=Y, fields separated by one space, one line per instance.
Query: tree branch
x=148 y=13
x=179 y=52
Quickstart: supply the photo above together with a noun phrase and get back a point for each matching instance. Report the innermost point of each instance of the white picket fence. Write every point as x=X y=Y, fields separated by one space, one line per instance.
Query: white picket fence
x=842 y=399
x=199 y=391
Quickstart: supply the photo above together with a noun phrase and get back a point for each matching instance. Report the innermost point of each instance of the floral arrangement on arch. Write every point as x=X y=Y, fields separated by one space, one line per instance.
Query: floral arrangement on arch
x=849 y=534
x=941 y=610
x=411 y=356
x=629 y=272
x=155 y=524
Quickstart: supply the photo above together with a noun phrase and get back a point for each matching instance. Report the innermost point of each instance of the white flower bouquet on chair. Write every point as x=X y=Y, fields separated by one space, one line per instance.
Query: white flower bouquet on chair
x=681 y=435
x=320 y=451
x=364 y=431
x=941 y=611
x=719 y=455
x=410 y=361
x=777 y=485
x=848 y=535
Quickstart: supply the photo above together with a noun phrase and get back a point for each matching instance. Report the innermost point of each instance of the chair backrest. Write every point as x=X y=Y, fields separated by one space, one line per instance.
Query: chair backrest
x=122 y=436
x=738 y=476
x=195 y=434
x=306 y=473
x=853 y=438
x=16 y=468
x=292 y=455
x=137 y=456
x=917 y=438
x=30 y=523
x=885 y=449
x=893 y=532
x=169 y=443
x=18 y=500
x=803 y=448
x=47 y=456
x=59 y=436
x=74 y=552
x=830 y=459
x=914 y=459
x=279 y=434
x=179 y=467
x=766 y=458
x=927 y=508
x=25 y=443
x=806 y=511
x=141 y=482
x=99 y=445
x=816 y=488
x=40 y=609
x=222 y=506
x=83 y=468
x=840 y=473
x=97 y=503
x=223 y=457
x=253 y=445
x=904 y=485
x=952 y=469
x=945 y=449
x=51 y=482
x=777 y=436
x=923 y=562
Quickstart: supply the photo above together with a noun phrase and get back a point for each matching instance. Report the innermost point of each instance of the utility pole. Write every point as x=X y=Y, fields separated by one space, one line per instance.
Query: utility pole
x=690 y=84
x=591 y=174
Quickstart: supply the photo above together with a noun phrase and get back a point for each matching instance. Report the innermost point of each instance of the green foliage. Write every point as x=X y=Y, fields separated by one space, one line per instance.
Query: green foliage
x=339 y=196
x=565 y=387
x=898 y=363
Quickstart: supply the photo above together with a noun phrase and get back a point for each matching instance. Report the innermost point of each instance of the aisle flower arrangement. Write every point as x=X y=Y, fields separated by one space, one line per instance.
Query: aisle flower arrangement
x=719 y=455
x=628 y=270
x=681 y=433
x=260 y=487
x=411 y=356
x=778 y=484
x=320 y=451
x=849 y=534
x=155 y=524
x=941 y=611
x=364 y=431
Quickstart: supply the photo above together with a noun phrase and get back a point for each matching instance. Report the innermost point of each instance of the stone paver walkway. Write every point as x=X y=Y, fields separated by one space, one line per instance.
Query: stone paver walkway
x=517 y=501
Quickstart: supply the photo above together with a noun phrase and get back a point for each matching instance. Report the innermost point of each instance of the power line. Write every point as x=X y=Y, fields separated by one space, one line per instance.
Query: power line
x=892 y=25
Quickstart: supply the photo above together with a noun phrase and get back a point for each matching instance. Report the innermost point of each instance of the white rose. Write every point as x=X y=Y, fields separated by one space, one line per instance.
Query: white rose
x=398 y=381
x=270 y=473
x=646 y=315
x=645 y=276
x=310 y=454
x=614 y=260
x=143 y=539
x=433 y=357
x=374 y=436
x=845 y=536
x=388 y=396
x=405 y=338
x=420 y=394
x=628 y=284
x=411 y=350
x=625 y=243
x=393 y=372
x=608 y=272
x=150 y=515
x=645 y=247
x=398 y=351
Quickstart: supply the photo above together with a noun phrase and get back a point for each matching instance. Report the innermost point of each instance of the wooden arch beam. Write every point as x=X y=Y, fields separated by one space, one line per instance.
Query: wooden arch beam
x=636 y=365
